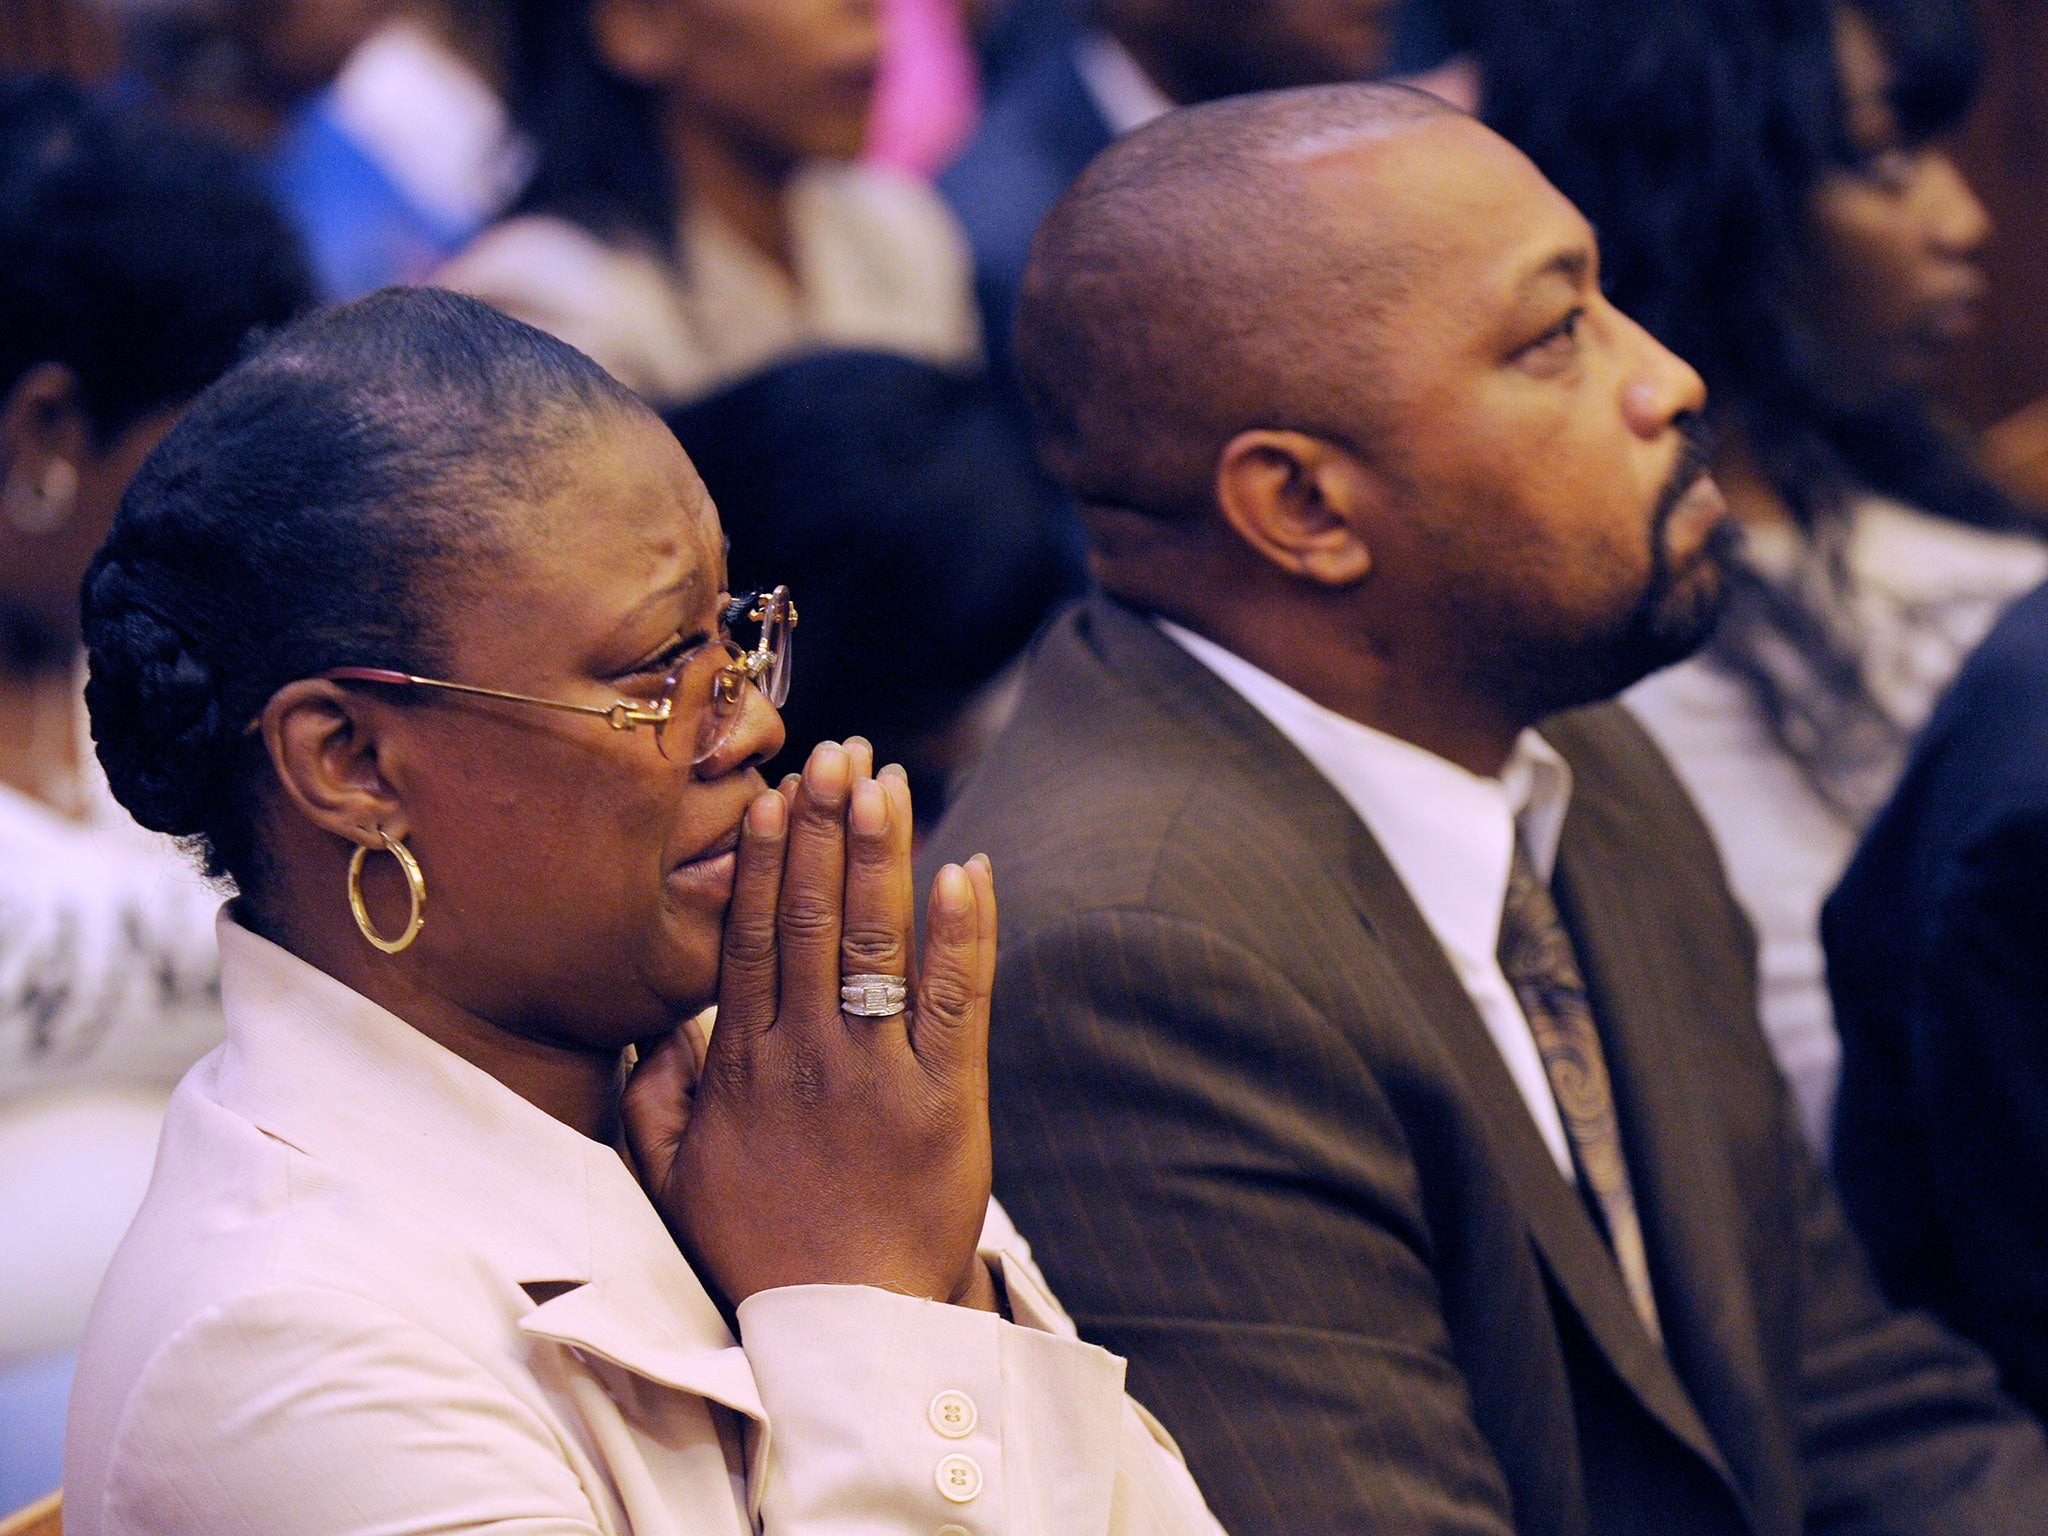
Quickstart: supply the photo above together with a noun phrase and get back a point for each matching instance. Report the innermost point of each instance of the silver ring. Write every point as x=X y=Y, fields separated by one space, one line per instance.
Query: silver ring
x=874 y=997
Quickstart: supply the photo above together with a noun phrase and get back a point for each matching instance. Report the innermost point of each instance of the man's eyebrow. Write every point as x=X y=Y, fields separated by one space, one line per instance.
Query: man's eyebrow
x=1573 y=265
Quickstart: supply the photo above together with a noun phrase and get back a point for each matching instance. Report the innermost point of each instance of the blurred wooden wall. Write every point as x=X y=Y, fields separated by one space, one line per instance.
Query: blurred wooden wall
x=2004 y=151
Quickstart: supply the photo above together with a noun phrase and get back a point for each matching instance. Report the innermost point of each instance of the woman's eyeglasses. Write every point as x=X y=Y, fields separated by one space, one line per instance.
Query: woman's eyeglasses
x=703 y=697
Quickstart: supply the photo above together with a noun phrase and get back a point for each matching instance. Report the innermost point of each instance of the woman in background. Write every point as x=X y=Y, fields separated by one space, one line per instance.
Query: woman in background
x=1775 y=203
x=134 y=262
x=696 y=210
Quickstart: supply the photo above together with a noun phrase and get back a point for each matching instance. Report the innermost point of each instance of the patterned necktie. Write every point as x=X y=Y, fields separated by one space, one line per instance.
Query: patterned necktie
x=1536 y=957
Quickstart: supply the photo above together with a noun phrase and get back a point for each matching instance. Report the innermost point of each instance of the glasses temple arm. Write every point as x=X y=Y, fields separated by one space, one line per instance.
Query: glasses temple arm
x=609 y=712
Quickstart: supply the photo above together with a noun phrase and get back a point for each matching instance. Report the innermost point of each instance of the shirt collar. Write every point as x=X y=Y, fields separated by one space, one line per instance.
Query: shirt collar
x=1121 y=90
x=1449 y=833
x=325 y=1070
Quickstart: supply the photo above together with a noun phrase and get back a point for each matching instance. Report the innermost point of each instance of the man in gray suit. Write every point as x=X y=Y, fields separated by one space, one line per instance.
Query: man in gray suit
x=1379 y=1073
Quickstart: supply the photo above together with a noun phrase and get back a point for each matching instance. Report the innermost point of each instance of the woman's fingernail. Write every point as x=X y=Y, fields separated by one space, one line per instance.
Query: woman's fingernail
x=955 y=894
x=894 y=771
x=765 y=815
x=982 y=860
x=831 y=770
x=870 y=808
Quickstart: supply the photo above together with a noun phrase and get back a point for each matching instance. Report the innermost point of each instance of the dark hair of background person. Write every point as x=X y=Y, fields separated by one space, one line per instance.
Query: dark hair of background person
x=600 y=160
x=296 y=519
x=136 y=254
x=899 y=503
x=1693 y=136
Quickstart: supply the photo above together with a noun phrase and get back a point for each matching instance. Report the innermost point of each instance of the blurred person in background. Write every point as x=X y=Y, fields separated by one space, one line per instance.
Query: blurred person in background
x=1939 y=974
x=134 y=261
x=76 y=40
x=407 y=152
x=927 y=89
x=697 y=209
x=1077 y=88
x=901 y=501
x=1776 y=204
x=382 y=122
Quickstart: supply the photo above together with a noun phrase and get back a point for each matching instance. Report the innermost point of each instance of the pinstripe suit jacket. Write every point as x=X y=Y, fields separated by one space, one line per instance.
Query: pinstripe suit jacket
x=1267 y=1150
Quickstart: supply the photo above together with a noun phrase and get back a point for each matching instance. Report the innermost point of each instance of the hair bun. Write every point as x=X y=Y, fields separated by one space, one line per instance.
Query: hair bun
x=155 y=710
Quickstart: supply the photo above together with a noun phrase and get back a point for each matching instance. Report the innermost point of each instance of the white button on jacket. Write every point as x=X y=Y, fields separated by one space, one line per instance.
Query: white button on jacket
x=953 y=1415
x=372 y=1289
x=959 y=1478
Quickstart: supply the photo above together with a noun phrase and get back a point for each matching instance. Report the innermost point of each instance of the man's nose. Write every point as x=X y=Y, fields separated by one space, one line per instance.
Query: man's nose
x=1660 y=386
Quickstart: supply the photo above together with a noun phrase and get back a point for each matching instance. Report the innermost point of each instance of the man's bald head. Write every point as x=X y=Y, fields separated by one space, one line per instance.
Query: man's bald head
x=1193 y=284
x=1332 y=377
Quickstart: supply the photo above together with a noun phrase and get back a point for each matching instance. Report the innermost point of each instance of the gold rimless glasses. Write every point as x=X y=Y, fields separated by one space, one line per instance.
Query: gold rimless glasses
x=709 y=683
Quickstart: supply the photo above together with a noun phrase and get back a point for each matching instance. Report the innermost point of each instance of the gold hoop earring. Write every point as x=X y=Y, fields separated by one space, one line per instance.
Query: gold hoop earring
x=415 y=884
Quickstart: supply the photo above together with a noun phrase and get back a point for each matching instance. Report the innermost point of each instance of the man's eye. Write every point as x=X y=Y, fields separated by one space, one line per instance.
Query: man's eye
x=1556 y=346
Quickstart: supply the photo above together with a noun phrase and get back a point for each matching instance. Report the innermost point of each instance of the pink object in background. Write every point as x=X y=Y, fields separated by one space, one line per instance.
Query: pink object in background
x=928 y=95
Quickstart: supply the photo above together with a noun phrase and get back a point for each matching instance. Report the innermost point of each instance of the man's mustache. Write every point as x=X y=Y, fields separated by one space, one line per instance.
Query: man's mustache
x=1695 y=454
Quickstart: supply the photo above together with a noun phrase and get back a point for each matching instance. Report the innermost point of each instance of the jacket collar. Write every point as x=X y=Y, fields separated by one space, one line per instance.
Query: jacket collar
x=325 y=1070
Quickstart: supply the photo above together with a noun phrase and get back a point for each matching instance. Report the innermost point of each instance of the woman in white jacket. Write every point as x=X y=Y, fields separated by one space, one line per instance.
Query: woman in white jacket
x=418 y=624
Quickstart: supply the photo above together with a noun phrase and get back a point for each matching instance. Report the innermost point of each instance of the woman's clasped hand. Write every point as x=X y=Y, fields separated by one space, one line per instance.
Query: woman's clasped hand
x=801 y=1143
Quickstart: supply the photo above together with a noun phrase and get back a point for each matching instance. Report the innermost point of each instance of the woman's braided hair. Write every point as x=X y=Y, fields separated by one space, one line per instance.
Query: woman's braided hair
x=311 y=510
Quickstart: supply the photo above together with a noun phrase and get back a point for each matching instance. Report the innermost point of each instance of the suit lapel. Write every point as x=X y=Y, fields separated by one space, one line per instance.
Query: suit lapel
x=1564 y=1236
x=1607 y=887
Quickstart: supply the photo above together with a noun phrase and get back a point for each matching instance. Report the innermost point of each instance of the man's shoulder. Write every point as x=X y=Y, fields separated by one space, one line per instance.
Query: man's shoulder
x=1128 y=770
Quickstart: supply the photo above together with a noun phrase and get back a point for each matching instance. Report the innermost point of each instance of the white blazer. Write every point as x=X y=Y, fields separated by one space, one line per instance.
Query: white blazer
x=374 y=1290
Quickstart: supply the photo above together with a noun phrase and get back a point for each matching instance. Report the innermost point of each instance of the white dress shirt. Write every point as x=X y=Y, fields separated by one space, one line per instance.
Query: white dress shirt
x=1118 y=85
x=374 y=1290
x=1450 y=836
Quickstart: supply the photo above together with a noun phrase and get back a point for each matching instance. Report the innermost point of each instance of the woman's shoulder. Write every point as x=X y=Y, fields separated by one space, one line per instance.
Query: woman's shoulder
x=294 y=1404
x=235 y=1212
x=887 y=200
x=532 y=253
x=613 y=301
x=257 y=1274
x=1912 y=551
x=885 y=263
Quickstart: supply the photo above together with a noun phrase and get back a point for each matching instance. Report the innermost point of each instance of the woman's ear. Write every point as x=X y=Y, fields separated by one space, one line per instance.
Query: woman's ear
x=1303 y=502
x=44 y=442
x=332 y=759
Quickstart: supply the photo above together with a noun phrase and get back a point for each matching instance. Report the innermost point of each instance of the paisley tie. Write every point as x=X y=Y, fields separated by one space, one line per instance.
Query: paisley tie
x=1537 y=958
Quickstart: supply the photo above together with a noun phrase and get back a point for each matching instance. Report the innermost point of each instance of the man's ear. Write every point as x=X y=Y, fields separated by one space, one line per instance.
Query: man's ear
x=333 y=760
x=1303 y=502
x=635 y=38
